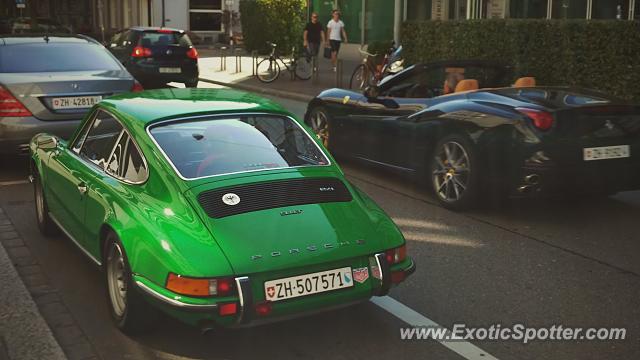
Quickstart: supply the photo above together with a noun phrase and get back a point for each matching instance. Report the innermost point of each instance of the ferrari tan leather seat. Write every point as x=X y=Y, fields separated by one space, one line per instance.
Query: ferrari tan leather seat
x=467 y=85
x=525 y=82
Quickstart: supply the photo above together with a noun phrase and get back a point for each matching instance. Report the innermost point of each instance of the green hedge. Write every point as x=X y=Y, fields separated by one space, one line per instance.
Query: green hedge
x=599 y=54
x=278 y=21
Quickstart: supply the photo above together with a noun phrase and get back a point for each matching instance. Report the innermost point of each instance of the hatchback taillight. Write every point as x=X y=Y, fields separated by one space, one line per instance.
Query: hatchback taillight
x=542 y=120
x=10 y=106
x=192 y=53
x=141 y=52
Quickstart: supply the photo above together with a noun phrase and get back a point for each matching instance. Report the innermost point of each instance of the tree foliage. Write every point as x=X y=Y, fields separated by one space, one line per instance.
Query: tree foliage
x=598 y=54
x=278 y=21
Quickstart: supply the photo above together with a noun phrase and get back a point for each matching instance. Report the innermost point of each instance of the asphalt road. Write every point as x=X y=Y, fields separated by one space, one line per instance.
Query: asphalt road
x=539 y=263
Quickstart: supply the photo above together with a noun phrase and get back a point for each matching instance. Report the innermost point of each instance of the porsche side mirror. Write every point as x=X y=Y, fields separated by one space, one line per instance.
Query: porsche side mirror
x=47 y=142
x=371 y=92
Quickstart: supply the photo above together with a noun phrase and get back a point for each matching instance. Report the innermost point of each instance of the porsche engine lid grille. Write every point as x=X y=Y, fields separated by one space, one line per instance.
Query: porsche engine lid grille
x=235 y=200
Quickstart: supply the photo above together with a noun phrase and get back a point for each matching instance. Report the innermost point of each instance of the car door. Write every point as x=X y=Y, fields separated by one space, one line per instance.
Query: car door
x=387 y=131
x=123 y=174
x=72 y=172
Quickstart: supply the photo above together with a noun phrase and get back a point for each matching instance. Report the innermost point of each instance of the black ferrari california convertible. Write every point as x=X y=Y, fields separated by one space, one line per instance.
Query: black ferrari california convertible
x=468 y=128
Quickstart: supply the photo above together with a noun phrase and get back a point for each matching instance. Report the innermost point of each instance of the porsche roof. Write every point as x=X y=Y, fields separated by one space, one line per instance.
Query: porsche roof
x=151 y=105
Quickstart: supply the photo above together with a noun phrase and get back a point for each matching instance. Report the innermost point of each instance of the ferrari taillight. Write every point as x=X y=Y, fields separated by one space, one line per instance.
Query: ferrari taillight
x=542 y=120
x=396 y=255
x=10 y=106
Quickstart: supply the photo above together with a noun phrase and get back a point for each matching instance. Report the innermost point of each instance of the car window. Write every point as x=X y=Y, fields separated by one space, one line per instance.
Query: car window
x=150 y=38
x=218 y=146
x=101 y=139
x=55 y=57
x=126 y=162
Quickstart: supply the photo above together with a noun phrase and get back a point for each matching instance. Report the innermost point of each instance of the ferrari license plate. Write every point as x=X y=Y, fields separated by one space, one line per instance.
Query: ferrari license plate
x=170 y=70
x=606 y=152
x=302 y=285
x=74 y=102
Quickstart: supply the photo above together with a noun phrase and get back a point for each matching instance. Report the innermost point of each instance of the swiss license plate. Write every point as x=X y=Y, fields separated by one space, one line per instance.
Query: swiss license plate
x=606 y=152
x=74 y=102
x=170 y=70
x=302 y=285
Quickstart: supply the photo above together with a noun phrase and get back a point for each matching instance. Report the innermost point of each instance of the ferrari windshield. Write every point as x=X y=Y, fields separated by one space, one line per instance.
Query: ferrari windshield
x=224 y=145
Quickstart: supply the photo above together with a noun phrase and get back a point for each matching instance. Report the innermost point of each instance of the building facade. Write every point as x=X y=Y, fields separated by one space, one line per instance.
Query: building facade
x=367 y=21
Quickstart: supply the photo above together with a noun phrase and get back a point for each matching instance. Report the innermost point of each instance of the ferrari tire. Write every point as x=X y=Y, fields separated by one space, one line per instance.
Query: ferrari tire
x=319 y=121
x=454 y=173
x=129 y=311
x=47 y=227
x=191 y=83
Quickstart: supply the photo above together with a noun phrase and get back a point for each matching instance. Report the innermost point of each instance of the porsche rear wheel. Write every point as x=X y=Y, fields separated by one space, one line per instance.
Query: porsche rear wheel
x=129 y=311
x=45 y=224
x=453 y=175
x=319 y=121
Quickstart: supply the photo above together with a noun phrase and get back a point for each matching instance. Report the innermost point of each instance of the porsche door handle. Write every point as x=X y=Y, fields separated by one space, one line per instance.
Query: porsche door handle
x=82 y=188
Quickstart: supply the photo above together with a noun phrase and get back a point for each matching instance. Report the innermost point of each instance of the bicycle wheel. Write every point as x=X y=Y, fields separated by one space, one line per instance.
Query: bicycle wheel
x=268 y=70
x=304 y=68
x=358 y=78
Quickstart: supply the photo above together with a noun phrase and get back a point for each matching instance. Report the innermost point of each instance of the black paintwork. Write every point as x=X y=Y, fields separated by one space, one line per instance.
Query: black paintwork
x=400 y=133
x=147 y=69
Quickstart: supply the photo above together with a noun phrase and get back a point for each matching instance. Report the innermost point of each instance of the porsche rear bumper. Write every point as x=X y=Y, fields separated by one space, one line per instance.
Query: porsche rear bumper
x=203 y=312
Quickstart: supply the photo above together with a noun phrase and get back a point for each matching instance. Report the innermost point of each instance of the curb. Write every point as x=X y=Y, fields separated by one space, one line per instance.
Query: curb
x=24 y=334
x=261 y=90
x=36 y=323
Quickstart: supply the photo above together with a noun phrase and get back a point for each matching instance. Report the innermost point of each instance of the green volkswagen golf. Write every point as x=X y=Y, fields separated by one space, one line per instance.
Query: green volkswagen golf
x=215 y=206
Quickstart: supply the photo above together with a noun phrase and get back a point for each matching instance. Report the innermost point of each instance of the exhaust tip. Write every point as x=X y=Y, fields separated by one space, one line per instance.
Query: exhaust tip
x=525 y=189
x=207 y=326
x=532 y=179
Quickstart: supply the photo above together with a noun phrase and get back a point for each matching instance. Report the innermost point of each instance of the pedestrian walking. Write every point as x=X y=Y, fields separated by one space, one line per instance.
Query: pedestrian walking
x=336 y=35
x=313 y=35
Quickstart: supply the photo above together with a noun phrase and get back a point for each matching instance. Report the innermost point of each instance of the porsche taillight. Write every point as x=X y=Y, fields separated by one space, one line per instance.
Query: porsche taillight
x=10 y=106
x=137 y=87
x=199 y=286
x=542 y=120
x=396 y=255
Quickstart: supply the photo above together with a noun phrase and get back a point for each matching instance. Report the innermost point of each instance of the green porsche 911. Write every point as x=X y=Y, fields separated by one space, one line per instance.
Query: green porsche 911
x=215 y=206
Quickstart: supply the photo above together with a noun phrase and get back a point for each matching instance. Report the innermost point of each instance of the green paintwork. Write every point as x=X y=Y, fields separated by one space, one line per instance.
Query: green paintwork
x=163 y=229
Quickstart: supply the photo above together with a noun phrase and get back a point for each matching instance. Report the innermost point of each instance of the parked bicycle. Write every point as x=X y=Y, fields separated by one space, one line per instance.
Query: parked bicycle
x=371 y=71
x=268 y=69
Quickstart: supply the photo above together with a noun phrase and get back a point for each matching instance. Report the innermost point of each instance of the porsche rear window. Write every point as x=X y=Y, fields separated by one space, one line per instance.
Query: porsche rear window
x=202 y=148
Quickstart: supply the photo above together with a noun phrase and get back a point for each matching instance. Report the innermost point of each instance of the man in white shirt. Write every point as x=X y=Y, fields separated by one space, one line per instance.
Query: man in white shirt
x=336 y=35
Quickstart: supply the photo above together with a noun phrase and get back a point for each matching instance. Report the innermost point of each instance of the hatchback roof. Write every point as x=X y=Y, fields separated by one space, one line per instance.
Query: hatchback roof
x=155 y=28
x=44 y=38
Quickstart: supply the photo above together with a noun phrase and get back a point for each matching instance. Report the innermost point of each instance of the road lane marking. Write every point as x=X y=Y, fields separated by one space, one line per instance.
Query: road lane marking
x=413 y=318
x=17 y=182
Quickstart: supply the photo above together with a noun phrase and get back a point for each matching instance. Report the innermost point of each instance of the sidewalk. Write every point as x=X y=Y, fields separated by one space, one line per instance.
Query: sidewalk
x=24 y=334
x=212 y=70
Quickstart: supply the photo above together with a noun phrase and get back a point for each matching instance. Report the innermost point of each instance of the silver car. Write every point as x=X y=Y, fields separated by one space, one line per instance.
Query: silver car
x=48 y=83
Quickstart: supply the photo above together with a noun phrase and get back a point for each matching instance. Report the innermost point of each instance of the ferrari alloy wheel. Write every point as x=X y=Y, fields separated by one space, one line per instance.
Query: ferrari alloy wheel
x=46 y=226
x=452 y=174
x=320 y=125
x=128 y=309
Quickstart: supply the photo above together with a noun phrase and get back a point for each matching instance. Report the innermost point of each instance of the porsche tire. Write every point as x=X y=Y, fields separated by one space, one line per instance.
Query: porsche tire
x=454 y=174
x=129 y=311
x=47 y=227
